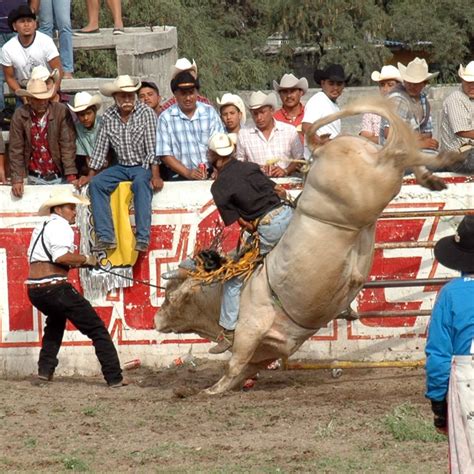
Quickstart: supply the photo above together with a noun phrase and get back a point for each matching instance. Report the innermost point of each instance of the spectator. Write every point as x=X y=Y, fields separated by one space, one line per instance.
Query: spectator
x=85 y=107
x=42 y=140
x=232 y=112
x=149 y=94
x=183 y=65
x=291 y=90
x=184 y=131
x=388 y=78
x=457 y=119
x=412 y=103
x=128 y=129
x=57 y=13
x=3 y=176
x=332 y=81
x=450 y=349
x=93 y=10
x=28 y=49
x=269 y=139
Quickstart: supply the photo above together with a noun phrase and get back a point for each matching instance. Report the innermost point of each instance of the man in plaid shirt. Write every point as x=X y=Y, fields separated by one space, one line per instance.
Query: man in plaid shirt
x=184 y=130
x=128 y=131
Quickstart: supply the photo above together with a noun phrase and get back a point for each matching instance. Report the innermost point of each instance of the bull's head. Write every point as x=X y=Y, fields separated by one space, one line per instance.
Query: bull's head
x=190 y=307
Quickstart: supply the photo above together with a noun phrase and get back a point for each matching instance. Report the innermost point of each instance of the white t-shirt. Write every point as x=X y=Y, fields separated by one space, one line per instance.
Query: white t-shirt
x=319 y=106
x=23 y=60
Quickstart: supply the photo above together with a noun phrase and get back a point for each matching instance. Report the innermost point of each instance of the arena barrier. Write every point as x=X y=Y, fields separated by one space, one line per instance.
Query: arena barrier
x=394 y=316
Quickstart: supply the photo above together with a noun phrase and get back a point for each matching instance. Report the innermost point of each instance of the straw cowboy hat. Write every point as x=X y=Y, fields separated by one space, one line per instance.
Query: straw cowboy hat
x=43 y=73
x=334 y=72
x=290 y=81
x=457 y=251
x=259 y=99
x=416 y=71
x=60 y=197
x=467 y=73
x=221 y=144
x=386 y=73
x=183 y=64
x=121 y=84
x=36 y=88
x=236 y=101
x=83 y=100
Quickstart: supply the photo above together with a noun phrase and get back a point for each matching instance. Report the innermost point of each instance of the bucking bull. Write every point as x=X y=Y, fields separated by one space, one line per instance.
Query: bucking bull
x=323 y=259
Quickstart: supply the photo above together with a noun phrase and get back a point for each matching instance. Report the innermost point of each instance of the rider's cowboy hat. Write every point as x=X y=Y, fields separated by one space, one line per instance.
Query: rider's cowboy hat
x=183 y=64
x=121 y=84
x=36 y=88
x=457 y=251
x=221 y=144
x=236 y=101
x=290 y=81
x=467 y=73
x=83 y=100
x=23 y=11
x=60 y=197
x=416 y=71
x=43 y=73
x=259 y=99
x=333 y=72
x=386 y=73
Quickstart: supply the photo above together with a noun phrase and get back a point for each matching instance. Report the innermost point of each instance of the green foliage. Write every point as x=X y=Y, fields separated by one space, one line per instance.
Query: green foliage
x=406 y=423
x=74 y=464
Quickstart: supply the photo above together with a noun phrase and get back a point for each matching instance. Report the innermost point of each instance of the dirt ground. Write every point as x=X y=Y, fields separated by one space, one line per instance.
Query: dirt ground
x=291 y=421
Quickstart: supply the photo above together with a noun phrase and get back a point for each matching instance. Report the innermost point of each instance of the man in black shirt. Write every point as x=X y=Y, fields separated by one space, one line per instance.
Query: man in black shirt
x=243 y=193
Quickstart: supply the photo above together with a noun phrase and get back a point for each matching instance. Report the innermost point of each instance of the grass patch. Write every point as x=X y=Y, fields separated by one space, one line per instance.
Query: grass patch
x=91 y=411
x=406 y=423
x=74 y=464
x=31 y=442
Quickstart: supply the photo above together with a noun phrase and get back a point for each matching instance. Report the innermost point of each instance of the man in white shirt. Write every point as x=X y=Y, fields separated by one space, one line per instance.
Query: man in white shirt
x=332 y=81
x=30 y=48
x=270 y=143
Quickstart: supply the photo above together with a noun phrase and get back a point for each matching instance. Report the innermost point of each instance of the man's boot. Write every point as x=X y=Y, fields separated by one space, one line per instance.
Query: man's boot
x=224 y=342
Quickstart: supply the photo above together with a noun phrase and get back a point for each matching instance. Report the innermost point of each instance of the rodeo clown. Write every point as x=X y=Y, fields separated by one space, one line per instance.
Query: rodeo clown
x=51 y=255
x=243 y=194
x=450 y=349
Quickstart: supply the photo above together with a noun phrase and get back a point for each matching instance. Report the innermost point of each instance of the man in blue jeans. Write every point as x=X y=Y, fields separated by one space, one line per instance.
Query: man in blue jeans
x=128 y=131
x=243 y=194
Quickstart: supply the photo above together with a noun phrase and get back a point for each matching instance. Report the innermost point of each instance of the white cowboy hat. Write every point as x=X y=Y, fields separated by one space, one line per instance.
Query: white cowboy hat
x=83 y=100
x=60 y=197
x=386 y=73
x=290 y=81
x=43 y=73
x=259 y=99
x=235 y=100
x=36 y=88
x=221 y=144
x=467 y=73
x=121 y=84
x=416 y=71
x=183 y=64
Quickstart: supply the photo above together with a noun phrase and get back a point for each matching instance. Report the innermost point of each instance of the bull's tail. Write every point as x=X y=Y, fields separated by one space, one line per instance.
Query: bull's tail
x=401 y=141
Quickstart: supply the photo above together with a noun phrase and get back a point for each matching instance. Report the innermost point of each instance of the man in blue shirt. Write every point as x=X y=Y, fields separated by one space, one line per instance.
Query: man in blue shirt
x=450 y=348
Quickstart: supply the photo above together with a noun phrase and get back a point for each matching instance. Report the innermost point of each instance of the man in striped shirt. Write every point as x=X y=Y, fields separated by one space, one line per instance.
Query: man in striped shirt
x=184 y=130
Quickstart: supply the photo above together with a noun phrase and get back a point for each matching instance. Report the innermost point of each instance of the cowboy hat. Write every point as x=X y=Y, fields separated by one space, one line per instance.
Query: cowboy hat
x=236 y=101
x=457 y=251
x=290 y=81
x=221 y=144
x=259 y=99
x=183 y=64
x=184 y=80
x=60 y=197
x=83 y=100
x=386 y=73
x=416 y=71
x=467 y=73
x=23 y=11
x=333 y=72
x=121 y=84
x=42 y=72
x=36 y=88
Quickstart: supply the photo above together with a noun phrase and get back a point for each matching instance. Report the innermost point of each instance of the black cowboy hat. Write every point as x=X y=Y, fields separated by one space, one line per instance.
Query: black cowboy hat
x=457 y=251
x=23 y=11
x=333 y=72
x=184 y=80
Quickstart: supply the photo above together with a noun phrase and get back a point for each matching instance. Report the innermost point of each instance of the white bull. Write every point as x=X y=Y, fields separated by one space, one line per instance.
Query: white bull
x=324 y=257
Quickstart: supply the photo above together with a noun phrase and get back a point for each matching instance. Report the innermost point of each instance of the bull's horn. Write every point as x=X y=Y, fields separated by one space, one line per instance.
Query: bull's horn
x=177 y=274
